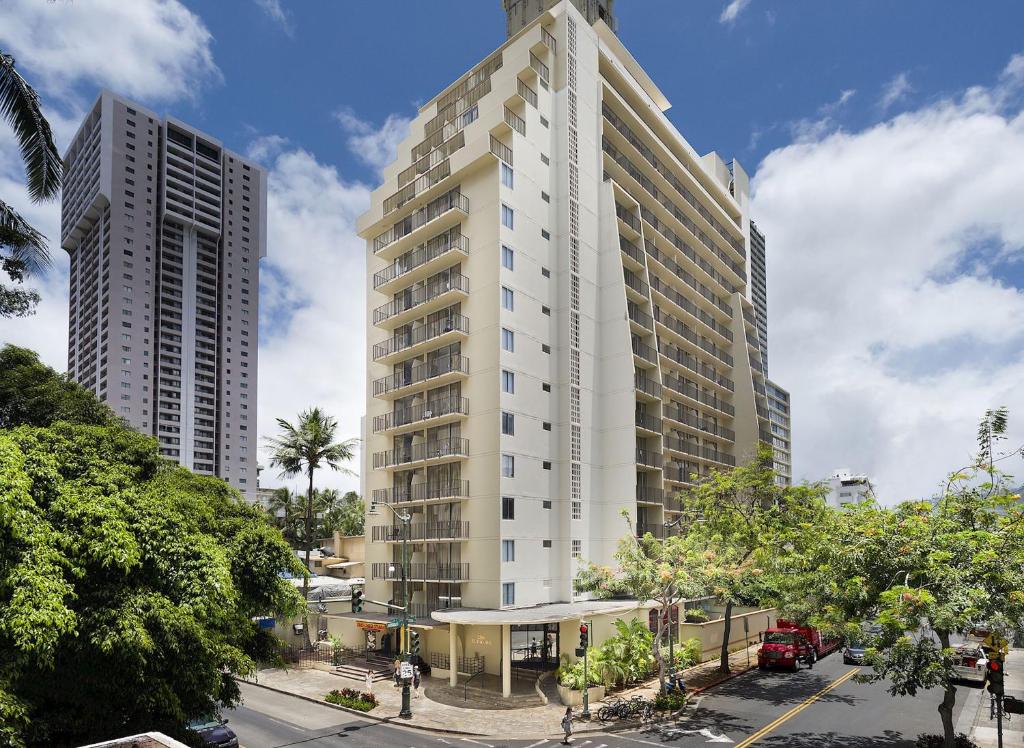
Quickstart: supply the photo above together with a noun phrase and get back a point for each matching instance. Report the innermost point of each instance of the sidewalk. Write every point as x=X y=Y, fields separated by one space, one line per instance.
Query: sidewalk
x=983 y=729
x=532 y=722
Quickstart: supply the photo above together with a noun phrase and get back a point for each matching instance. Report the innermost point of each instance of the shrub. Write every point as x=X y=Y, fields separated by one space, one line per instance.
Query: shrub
x=690 y=653
x=696 y=615
x=352 y=698
x=571 y=676
x=669 y=702
x=936 y=741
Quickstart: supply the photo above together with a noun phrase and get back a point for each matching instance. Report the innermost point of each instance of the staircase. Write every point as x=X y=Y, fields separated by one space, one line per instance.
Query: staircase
x=382 y=666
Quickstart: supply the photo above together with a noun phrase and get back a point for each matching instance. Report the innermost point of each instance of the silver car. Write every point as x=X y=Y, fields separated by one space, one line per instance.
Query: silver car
x=853 y=653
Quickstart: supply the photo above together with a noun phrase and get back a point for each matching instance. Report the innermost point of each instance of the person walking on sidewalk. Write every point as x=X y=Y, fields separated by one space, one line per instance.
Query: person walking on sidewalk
x=369 y=682
x=416 y=682
x=567 y=725
x=398 y=673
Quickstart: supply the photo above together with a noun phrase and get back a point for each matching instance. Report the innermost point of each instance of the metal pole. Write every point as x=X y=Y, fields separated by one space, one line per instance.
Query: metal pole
x=999 y=719
x=586 y=680
x=671 y=659
x=406 y=531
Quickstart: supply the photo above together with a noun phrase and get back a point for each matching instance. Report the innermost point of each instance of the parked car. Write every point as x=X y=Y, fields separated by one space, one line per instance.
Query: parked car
x=214 y=732
x=970 y=663
x=853 y=653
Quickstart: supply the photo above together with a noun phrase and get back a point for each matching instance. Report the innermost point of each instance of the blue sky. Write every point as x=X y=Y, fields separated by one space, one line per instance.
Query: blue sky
x=885 y=140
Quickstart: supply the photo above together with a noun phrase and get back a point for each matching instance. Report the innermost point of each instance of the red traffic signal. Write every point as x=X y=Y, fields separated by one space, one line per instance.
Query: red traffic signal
x=994 y=666
x=583 y=628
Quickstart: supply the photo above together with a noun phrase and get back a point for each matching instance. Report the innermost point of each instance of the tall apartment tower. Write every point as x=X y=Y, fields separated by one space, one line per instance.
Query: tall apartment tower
x=560 y=323
x=165 y=229
x=521 y=13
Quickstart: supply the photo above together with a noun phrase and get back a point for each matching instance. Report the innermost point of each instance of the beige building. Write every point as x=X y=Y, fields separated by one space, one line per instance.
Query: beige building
x=165 y=229
x=560 y=331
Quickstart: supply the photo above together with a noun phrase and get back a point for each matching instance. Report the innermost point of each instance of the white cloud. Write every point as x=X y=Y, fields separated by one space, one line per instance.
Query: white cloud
x=732 y=11
x=156 y=50
x=313 y=301
x=374 y=146
x=889 y=319
x=277 y=14
x=894 y=90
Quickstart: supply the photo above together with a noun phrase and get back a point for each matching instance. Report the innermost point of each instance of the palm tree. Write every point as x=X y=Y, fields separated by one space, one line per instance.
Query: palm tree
x=286 y=513
x=25 y=252
x=303 y=448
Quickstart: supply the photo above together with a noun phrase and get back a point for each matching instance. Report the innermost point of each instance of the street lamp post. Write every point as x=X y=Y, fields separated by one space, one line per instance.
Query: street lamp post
x=406 y=520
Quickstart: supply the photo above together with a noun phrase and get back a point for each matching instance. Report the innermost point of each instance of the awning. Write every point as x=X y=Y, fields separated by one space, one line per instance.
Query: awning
x=550 y=613
x=344 y=564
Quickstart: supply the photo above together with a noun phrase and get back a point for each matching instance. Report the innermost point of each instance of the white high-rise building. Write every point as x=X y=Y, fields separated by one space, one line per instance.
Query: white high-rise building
x=846 y=488
x=165 y=229
x=560 y=330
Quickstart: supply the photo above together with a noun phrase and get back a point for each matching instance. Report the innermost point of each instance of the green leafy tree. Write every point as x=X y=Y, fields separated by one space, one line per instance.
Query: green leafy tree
x=745 y=522
x=33 y=394
x=128 y=585
x=926 y=571
x=347 y=515
x=303 y=448
x=23 y=250
x=647 y=569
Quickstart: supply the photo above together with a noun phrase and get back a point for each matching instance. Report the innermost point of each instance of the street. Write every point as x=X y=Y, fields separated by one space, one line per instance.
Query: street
x=818 y=707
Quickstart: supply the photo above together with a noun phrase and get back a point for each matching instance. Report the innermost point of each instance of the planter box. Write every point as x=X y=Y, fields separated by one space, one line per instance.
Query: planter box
x=572 y=697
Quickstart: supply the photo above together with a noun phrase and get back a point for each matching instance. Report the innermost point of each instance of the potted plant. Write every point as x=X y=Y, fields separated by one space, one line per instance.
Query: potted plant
x=570 y=680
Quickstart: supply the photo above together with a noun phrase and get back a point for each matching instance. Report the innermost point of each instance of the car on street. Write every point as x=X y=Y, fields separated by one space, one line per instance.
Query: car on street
x=970 y=663
x=853 y=653
x=214 y=732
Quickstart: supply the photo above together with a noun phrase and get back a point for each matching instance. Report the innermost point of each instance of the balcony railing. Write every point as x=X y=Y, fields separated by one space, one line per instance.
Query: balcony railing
x=527 y=94
x=514 y=121
x=647 y=386
x=548 y=39
x=688 y=278
x=639 y=316
x=432 y=159
x=501 y=150
x=421 y=571
x=680 y=329
x=649 y=422
x=628 y=217
x=644 y=351
x=657 y=530
x=634 y=282
x=455 y=489
x=441 y=530
x=540 y=67
x=442 y=171
x=429 y=291
x=648 y=457
x=420 y=373
x=398 y=343
x=690 y=390
x=420 y=256
x=650 y=494
x=680 y=416
x=444 y=406
x=631 y=249
x=420 y=452
x=434 y=209
x=687 y=361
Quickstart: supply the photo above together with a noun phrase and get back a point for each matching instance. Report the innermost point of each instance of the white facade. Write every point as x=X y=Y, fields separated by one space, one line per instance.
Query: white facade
x=846 y=488
x=560 y=323
x=165 y=229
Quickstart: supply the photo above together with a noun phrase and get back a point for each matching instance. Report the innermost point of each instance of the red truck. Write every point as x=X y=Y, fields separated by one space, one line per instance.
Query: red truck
x=787 y=644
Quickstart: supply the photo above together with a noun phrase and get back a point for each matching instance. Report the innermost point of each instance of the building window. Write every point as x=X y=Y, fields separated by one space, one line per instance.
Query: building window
x=545 y=386
x=508 y=593
x=545 y=348
x=508 y=550
x=508 y=507
x=545 y=504
x=508 y=424
x=546 y=426
x=545 y=234
x=507 y=299
x=508 y=217
x=544 y=159
x=545 y=310
x=508 y=466
x=508 y=382
x=577 y=549
x=577 y=510
x=546 y=465
x=545 y=272
x=547 y=543
x=507 y=258
x=543 y=121
x=545 y=196
x=508 y=340
x=507 y=177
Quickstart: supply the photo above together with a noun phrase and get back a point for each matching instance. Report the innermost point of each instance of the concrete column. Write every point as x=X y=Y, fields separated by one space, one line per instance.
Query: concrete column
x=453 y=657
x=506 y=660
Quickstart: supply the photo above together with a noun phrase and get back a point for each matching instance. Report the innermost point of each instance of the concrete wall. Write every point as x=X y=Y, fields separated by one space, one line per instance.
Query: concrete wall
x=711 y=632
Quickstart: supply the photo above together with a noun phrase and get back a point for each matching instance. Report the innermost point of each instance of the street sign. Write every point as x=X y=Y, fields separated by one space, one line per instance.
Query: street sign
x=395 y=623
x=406 y=670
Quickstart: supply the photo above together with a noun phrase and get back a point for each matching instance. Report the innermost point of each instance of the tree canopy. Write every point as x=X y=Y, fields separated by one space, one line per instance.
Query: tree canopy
x=128 y=585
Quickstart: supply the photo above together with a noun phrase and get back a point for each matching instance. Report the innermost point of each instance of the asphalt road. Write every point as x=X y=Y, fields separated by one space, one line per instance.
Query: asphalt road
x=819 y=707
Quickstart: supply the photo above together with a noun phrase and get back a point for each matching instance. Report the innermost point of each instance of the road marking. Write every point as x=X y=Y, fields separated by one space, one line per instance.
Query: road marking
x=444 y=741
x=797 y=709
x=467 y=740
x=534 y=745
x=638 y=740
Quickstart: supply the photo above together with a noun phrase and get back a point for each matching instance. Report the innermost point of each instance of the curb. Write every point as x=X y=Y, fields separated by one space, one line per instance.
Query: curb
x=393 y=721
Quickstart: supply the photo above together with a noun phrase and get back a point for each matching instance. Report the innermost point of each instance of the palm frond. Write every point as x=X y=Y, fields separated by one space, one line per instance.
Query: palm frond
x=25 y=245
x=19 y=105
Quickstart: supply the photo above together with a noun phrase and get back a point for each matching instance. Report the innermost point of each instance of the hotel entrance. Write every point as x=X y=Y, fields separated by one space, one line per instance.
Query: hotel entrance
x=534 y=645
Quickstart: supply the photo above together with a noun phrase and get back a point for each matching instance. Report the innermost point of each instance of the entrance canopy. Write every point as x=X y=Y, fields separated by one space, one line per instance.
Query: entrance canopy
x=550 y=613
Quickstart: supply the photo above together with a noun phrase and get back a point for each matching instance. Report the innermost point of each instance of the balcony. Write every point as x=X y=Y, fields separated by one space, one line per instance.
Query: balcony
x=438 y=214
x=648 y=458
x=436 y=293
x=688 y=419
x=421 y=572
x=432 y=158
x=647 y=422
x=690 y=390
x=442 y=450
x=646 y=388
x=640 y=317
x=437 y=332
x=432 y=413
x=429 y=491
x=686 y=305
x=539 y=67
x=644 y=352
x=650 y=494
x=422 y=261
x=632 y=251
x=526 y=93
x=704 y=452
x=688 y=361
x=501 y=150
x=422 y=183
x=548 y=40
x=681 y=330
x=514 y=121
x=637 y=286
x=654 y=528
x=436 y=372
x=628 y=218
x=420 y=531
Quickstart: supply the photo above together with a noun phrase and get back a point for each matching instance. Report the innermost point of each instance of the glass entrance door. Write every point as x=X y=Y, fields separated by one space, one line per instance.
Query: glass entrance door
x=535 y=645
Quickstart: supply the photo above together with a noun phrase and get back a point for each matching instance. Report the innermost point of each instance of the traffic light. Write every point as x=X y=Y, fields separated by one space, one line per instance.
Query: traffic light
x=357 y=601
x=584 y=636
x=414 y=642
x=995 y=677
